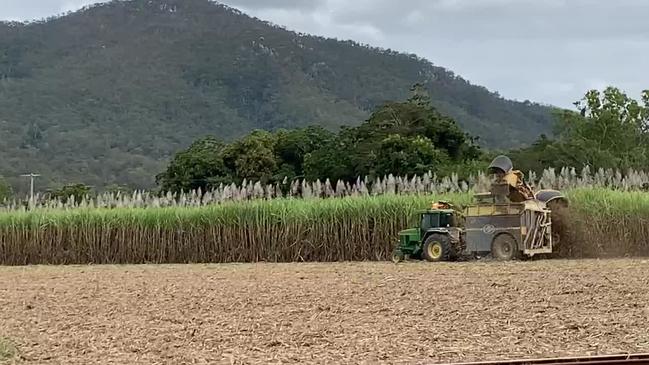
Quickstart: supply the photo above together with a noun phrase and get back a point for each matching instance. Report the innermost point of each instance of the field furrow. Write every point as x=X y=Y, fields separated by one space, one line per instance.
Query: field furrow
x=324 y=313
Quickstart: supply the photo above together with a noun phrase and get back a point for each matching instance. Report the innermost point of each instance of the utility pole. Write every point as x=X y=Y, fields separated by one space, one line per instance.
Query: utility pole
x=31 y=177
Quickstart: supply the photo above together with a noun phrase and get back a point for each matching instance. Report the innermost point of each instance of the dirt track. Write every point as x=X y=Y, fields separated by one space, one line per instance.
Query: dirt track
x=324 y=313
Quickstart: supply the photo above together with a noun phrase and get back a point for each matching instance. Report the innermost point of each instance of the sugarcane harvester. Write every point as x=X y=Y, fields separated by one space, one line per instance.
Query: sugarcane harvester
x=508 y=222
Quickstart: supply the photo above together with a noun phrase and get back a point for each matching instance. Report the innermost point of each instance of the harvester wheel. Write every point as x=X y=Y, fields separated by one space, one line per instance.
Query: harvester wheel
x=398 y=256
x=437 y=247
x=504 y=248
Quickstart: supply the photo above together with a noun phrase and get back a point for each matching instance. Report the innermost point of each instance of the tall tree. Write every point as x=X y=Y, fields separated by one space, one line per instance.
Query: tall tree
x=294 y=145
x=416 y=117
x=402 y=156
x=200 y=166
x=608 y=130
x=252 y=157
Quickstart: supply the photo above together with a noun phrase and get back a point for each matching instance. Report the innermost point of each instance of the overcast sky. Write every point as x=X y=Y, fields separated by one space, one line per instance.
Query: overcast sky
x=549 y=51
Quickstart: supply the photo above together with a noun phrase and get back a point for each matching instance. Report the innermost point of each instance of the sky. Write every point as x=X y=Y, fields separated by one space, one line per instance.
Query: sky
x=548 y=51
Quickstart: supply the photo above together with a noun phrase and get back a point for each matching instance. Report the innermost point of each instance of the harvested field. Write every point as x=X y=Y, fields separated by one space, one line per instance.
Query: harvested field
x=324 y=313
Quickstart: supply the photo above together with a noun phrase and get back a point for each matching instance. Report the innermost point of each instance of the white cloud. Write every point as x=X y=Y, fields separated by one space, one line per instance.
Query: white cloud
x=71 y=5
x=37 y=9
x=550 y=51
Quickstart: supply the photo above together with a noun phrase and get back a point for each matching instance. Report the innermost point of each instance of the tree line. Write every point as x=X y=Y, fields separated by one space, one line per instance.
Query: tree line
x=608 y=129
x=401 y=138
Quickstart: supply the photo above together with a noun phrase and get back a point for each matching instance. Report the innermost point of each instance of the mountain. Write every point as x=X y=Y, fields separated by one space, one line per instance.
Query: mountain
x=107 y=94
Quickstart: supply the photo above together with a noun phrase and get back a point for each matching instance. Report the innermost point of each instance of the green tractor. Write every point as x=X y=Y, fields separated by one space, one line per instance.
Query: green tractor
x=436 y=238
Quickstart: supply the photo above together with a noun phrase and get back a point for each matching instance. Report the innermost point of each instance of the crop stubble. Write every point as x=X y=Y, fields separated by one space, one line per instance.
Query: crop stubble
x=324 y=313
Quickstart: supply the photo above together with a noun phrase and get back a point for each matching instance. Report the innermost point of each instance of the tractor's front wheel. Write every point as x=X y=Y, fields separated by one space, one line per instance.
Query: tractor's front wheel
x=437 y=247
x=398 y=256
x=504 y=248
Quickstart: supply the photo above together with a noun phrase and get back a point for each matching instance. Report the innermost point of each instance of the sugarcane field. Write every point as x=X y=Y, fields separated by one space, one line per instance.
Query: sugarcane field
x=314 y=280
x=253 y=182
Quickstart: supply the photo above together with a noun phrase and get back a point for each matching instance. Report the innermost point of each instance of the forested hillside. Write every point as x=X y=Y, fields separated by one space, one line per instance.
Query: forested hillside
x=108 y=94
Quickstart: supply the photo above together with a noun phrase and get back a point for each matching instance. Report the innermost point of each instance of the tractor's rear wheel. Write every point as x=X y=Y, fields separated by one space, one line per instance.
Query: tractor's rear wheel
x=504 y=248
x=437 y=247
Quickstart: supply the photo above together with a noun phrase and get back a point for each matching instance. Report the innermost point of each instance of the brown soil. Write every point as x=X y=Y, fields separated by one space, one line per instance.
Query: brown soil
x=324 y=313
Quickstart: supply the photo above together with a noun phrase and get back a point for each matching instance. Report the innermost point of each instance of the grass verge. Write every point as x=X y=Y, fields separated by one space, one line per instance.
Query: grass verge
x=7 y=350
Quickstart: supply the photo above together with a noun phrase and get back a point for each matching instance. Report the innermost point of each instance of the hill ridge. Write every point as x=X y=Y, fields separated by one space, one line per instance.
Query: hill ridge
x=105 y=95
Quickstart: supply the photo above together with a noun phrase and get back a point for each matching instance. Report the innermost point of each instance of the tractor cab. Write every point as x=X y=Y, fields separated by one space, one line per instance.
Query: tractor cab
x=434 y=219
x=440 y=222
